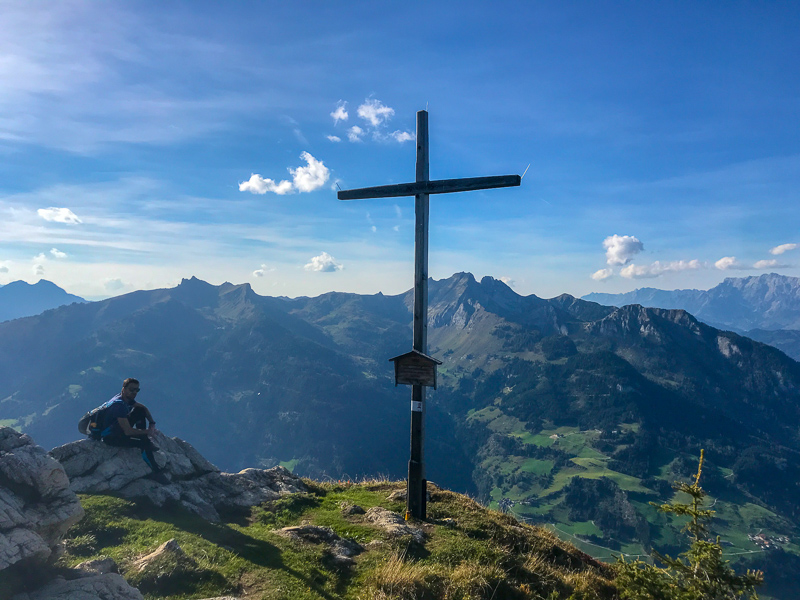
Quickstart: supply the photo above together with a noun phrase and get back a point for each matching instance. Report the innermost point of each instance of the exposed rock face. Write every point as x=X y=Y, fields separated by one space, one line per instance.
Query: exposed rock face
x=98 y=566
x=342 y=550
x=109 y=586
x=36 y=504
x=198 y=485
x=393 y=524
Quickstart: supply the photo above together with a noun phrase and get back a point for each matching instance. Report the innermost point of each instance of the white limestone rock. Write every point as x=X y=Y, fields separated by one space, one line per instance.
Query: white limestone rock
x=394 y=524
x=195 y=483
x=37 y=506
x=107 y=586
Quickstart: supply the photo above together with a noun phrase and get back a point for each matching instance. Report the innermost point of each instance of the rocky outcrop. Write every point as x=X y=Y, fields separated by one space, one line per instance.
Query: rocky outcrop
x=195 y=483
x=108 y=586
x=394 y=524
x=37 y=505
x=342 y=550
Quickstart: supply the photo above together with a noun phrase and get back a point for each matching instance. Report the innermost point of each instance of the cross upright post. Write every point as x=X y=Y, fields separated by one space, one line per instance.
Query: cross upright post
x=416 y=493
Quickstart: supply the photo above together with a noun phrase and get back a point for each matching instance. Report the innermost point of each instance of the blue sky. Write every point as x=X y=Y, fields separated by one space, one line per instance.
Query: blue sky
x=145 y=142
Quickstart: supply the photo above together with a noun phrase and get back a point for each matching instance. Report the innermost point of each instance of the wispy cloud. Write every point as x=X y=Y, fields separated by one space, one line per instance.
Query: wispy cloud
x=620 y=249
x=260 y=185
x=57 y=253
x=263 y=270
x=324 y=263
x=403 y=136
x=658 y=268
x=114 y=284
x=59 y=215
x=602 y=274
x=305 y=179
x=375 y=112
x=340 y=113
x=783 y=248
x=728 y=263
x=334 y=138
x=354 y=133
x=91 y=75
x=769 y=264
x=508 y=281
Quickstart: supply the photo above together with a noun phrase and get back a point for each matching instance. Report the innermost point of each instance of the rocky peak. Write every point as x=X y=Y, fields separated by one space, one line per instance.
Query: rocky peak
x=646 y=322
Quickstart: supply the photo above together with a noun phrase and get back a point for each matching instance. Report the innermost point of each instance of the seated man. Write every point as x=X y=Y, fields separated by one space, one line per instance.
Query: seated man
x=124 y=425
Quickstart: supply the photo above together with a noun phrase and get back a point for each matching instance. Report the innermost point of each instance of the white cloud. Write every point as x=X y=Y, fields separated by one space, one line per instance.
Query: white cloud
x=38 y=270
x=334 y=138
x=658 y=268
x=305 y=179
x=783 y=248
x=508 y=281
x=57 y=253
x=40 y=257
x=398 y=211
x=354 y=133
x=259 y=185
x=113 y=285
x=602 y=274
x=340 y=114
x=403 y=136
x=620 y=249
x=59 y=215
x=375 y=112
x=323 y=263
x=3 y=269
x=769 y=264
x=311 y=177
x=729 y=262
x=263 y=270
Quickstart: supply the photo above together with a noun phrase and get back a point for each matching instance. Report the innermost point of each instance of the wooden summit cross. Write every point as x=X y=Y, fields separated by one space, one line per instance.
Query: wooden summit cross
x=421 y=189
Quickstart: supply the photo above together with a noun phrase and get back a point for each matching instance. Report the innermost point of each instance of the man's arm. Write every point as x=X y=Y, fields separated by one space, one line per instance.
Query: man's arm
x=130 y=431
x=147 y=414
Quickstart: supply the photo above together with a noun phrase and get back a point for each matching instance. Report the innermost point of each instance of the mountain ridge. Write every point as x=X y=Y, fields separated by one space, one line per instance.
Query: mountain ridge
x=20 y=299
x=769 y=301
x=535 y=396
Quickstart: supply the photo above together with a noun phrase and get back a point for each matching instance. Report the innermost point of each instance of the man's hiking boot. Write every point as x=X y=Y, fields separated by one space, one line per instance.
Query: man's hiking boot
x=160 y=477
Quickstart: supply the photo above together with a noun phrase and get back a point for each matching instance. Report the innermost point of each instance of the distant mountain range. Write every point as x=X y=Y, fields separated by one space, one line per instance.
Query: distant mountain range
x=764 y=307
x=21 y=299
x=569 y=411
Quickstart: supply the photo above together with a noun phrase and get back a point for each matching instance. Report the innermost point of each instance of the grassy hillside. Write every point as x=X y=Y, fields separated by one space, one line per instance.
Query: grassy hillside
x=467 y=551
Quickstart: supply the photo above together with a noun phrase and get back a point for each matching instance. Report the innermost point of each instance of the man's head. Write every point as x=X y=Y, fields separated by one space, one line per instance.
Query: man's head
x=130 y=387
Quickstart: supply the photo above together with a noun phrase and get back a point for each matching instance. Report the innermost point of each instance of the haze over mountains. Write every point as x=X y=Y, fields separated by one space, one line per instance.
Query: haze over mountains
x=573 y=412
x=764 y=307
x=21 y=299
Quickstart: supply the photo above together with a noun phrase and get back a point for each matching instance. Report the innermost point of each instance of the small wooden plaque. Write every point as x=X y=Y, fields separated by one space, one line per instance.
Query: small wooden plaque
x=415 y=368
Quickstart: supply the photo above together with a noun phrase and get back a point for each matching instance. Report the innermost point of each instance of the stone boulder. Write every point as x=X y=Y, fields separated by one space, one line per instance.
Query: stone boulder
x=37 y=505
x=394 y=524
x=95 y=468
x=108 y=586
x=342 y=550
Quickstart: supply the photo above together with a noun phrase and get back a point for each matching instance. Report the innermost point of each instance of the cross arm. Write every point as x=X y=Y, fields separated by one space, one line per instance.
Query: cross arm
x=441 y=186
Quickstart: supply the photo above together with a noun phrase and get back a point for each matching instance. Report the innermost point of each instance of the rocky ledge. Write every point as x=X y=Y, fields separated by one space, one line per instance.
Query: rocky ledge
x=94 y=468
x=37 y=505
